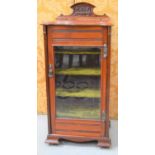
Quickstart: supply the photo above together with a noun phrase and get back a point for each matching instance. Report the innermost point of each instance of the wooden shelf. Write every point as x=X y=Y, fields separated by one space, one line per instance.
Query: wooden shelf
x=81 y=113
x=77 y=52
x=89 y=93
x=79 y=71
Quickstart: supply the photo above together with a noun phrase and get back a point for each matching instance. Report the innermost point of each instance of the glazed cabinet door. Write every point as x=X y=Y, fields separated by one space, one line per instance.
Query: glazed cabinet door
x=77 y=89
x=78 y=82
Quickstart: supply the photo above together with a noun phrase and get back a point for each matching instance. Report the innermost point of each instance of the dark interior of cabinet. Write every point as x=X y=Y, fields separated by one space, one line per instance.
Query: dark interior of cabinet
x=77 y=82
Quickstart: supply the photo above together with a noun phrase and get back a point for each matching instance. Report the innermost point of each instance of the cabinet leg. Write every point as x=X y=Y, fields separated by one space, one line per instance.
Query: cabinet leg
x=105 y=142
x=52 y=140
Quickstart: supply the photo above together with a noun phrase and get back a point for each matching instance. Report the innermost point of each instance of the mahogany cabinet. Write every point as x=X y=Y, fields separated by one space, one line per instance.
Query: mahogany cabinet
x=77 y=58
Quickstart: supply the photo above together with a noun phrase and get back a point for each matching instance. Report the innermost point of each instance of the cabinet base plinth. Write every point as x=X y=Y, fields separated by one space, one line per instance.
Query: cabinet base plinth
x=52 y=140
x=105 y=142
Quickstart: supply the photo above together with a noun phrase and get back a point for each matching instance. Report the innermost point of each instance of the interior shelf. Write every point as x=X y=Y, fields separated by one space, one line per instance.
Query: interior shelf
x=77 y=52
x=81 y=113
x=78 y=71
x=81 y=108
x=89 y=93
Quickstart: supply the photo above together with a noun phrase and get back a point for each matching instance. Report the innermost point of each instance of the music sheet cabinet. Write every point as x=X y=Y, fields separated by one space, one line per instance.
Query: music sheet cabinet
x=77 y=67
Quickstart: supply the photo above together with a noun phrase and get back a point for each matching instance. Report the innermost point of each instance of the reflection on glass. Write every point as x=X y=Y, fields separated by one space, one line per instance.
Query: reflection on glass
x=77 y=82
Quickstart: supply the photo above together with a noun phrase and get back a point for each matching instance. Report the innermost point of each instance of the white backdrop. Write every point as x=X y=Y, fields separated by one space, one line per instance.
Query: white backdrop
x=18 y=77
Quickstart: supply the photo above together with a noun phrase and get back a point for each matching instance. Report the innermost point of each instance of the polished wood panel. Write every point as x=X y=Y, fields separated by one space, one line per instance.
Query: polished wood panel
x=77 y=34
x=79 y=133
x=60 y=42
x=77 y=127
x=77 y=43
x=76 y=28
x=78 y=121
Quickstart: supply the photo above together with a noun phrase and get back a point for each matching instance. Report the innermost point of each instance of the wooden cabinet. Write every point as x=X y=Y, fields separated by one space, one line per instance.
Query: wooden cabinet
x=77 y=56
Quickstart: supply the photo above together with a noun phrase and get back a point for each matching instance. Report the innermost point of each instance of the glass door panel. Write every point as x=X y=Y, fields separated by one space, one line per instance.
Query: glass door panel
x=77 y=82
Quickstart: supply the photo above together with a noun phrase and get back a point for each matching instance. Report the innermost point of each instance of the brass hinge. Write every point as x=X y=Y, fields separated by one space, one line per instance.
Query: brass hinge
x=50 y=71
x=105 y=50
x=103 y=116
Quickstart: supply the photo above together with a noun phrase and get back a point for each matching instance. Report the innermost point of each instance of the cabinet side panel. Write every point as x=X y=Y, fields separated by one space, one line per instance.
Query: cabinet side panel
x=47 y=81
x=51 y=82
x=108 y=80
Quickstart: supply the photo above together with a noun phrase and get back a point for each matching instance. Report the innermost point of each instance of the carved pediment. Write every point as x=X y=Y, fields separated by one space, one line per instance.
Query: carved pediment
x=82 y=15
x=82 y=9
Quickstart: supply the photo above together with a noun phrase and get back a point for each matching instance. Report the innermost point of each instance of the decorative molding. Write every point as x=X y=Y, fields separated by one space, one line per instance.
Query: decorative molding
x=77 y=30
x=77 y=39
x=82 y=9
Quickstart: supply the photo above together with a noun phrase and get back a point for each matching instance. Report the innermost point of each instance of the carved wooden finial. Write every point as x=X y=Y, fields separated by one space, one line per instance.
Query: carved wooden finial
x=82 y=9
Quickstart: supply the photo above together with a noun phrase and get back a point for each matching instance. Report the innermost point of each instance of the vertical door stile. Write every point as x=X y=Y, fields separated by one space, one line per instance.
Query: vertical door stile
x=52 y=83
x=103 y=81
x=103 y=76
x=108 y=37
